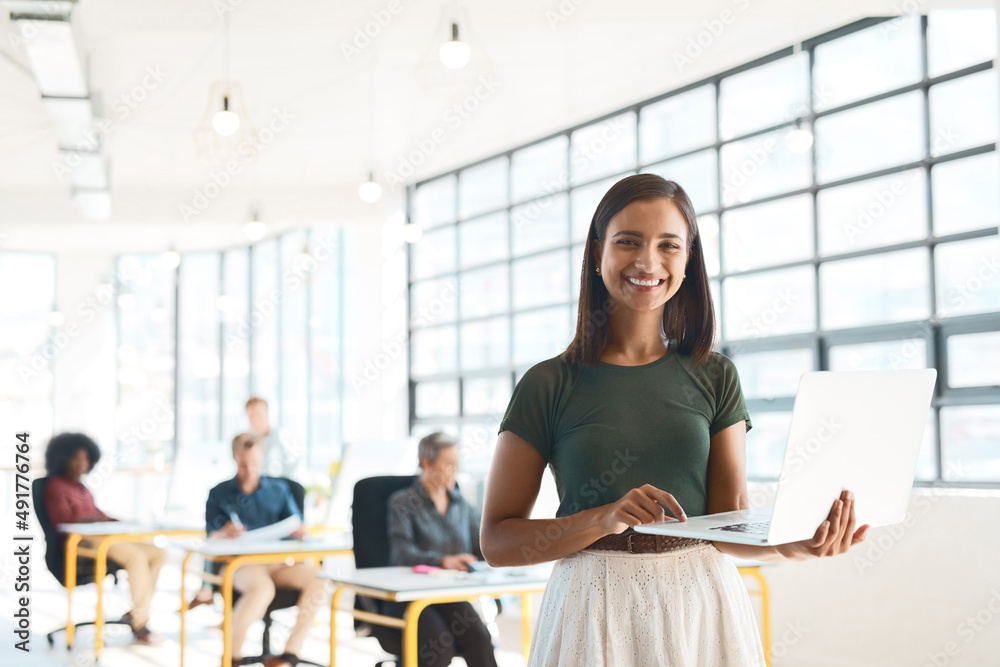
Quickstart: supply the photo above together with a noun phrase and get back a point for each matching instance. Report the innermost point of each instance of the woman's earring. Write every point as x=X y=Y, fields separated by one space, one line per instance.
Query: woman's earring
x=598 y=270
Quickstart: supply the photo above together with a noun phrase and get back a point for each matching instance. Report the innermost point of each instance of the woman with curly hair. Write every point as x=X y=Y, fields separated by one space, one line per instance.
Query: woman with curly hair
x=68 y=457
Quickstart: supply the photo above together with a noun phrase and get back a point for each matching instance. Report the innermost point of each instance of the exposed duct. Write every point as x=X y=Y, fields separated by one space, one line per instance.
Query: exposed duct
x=46 y=33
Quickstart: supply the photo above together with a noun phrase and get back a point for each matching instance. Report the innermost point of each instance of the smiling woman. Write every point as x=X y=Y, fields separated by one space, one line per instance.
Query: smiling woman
x=638 y=417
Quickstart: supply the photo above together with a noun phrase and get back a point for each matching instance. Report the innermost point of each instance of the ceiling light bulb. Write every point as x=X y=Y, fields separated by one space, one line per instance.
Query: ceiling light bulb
x=225 y=122
x=370 y=191
x=456 y=53
x=255 y=230
x=799 y=139
x=171 y=259
x=412 y=233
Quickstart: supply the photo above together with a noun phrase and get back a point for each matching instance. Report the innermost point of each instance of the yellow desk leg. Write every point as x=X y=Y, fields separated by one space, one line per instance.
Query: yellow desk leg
x=334 y=601
x=184 y=607
x=71 y=543
x=410 y=631
x=765 y=609
x=100 y=571
x=227 y=611
x=526 y=625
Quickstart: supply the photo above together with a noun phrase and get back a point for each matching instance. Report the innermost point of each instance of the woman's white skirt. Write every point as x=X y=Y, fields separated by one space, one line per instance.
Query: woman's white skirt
x=613 y=608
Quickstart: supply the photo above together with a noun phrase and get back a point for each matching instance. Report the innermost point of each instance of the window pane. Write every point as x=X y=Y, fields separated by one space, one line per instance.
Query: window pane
x=434 y=253
x=198 y=350
x=432 y=302
x=264 y=264
x=436 y=399
x=484 y=396
x=483 y=240
x=869 y=138
x=873 y=290
x=767 y=234
x=964 y=113
x=678 y=124
x=484 y=292
x=433 y=350
x=772 y=374
x=539 y=169
x=761 y=167
x=876 y=212
x=771 y=303
x=967 y=277
x=292 y=418
x=24 y=312
x=764 y=96
x=434 y=203
x=927 y=459
x=482 y=188
x=540 y=335
x=325 y=373
x=576 y=271
x=766 y=444
x=697 y=174
x=881 y=356
x=966 y=195
x=708 y=230
x=541 y=224
x=583 y=203
x=541 y=280
x=970 y=437
x=146 y=357
x=867 y=62
x=959 y=38
x=603 y=148
x=235 y=351
x=972 y=360
x=486 y=343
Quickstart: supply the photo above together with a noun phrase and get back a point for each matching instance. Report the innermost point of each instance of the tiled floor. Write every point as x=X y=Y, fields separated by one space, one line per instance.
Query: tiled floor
x=204 y=638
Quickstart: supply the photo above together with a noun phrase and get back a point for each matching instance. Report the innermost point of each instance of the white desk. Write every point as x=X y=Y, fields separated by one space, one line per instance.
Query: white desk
x=236 y=553
x=401 y=584
x=105 y=534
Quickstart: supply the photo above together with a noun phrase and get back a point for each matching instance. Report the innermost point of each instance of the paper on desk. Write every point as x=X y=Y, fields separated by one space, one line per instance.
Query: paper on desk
x=275 y=531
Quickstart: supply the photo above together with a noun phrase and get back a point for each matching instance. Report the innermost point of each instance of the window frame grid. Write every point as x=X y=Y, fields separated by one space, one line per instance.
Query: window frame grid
x=819 y=340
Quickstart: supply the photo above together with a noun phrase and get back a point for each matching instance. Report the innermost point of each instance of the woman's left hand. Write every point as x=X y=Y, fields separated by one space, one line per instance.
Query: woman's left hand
x=833 y=537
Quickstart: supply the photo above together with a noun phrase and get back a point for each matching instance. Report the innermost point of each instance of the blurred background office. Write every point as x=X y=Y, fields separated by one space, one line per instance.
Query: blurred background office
x=371 y=215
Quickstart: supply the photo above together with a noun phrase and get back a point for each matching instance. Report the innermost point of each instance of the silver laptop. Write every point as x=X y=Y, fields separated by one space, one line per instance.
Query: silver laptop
x=856 y=430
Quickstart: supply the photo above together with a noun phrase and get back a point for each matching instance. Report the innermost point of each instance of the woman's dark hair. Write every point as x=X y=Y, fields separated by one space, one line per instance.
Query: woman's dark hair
x=62 y=447
x=688 y=317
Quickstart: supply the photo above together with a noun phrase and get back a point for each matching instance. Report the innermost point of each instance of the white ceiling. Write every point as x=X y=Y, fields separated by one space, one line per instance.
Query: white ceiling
x=367 y=113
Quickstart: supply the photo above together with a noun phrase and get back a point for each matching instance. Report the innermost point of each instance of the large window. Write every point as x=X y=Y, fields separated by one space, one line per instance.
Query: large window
x=847 y=197
x=197 y=340
x=32 y=335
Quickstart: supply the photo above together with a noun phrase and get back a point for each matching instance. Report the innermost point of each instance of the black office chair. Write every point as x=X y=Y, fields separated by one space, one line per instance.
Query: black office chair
x=370 y=512
x=284 y=598
x=55 y=556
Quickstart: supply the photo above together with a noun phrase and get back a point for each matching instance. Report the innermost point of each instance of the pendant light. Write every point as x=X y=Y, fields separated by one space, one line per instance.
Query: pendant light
x=455 y=54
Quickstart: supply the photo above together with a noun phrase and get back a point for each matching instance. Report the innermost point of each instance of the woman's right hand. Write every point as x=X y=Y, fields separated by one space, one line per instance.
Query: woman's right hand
x=638 y=506
x=227 y=532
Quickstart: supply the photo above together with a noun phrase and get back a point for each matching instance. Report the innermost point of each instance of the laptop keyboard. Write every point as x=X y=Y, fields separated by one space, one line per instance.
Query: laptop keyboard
x=758 y=527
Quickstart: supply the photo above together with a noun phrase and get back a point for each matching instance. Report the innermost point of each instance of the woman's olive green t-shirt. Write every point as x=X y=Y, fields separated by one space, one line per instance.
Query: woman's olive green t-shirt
x=606 y=430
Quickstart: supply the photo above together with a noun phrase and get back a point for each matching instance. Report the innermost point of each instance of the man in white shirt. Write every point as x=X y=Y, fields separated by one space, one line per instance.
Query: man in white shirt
x=284 y=456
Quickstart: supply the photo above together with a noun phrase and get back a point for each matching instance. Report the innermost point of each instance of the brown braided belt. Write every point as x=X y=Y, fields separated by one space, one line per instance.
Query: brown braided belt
x=636 y=543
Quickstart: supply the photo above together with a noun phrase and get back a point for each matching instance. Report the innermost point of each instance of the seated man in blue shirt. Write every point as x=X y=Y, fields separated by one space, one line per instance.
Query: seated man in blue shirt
x=251 y=501
x=431 y=523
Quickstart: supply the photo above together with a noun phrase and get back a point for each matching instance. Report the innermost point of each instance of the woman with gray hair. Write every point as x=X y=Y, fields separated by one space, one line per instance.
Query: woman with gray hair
x=431 y=523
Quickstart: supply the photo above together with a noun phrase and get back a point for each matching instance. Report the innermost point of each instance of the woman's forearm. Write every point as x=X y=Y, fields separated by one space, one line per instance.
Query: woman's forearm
x=517 y=541
x=750 y=552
